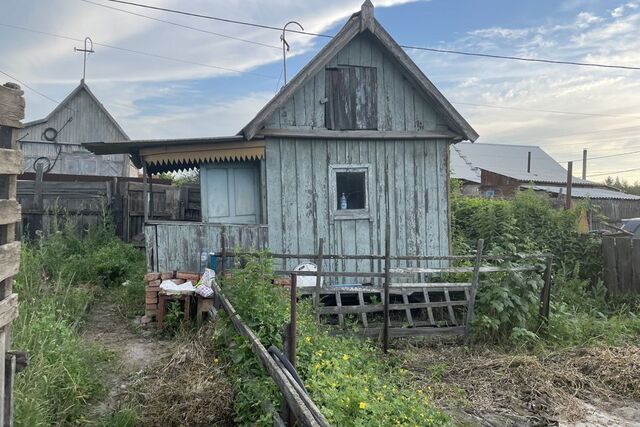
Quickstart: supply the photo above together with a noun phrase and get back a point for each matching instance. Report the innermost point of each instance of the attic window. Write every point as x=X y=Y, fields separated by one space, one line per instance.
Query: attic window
x=349 y=191
x=352 y=98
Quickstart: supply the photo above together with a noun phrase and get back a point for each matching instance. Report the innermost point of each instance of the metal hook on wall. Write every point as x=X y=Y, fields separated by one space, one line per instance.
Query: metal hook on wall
x=86 y=50
x=285 y=46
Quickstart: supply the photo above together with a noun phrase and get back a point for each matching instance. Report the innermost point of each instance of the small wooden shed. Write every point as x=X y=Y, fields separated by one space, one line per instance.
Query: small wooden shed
x=312 y=163
x=56 y=140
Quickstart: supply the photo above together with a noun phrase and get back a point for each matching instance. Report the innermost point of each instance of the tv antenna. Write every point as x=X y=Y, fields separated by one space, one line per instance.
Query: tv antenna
x=88 y=48
x=285 y=47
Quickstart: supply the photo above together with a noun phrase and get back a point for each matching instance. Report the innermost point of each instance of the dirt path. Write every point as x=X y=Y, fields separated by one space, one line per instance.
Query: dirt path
x=134 y=350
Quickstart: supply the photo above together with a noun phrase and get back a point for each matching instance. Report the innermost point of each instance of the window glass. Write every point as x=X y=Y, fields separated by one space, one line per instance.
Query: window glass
x=351 y=190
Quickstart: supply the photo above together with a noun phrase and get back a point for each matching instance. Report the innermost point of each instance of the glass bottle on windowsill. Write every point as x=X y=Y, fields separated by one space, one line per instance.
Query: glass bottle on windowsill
x=343 y=202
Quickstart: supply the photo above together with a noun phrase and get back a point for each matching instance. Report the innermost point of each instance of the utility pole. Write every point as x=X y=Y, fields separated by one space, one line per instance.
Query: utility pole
x=567 y=201
x=584 y=164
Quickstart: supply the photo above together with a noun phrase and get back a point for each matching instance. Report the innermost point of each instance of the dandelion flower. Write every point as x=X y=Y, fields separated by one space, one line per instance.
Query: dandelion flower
x=345 y=357
x=307 y=339
x=362 y=405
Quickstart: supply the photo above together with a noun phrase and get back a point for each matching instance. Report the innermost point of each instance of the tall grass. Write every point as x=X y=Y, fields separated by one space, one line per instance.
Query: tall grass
x=59 y=278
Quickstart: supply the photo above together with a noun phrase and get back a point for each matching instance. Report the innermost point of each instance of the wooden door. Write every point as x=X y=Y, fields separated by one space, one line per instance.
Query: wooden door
x=231 y=193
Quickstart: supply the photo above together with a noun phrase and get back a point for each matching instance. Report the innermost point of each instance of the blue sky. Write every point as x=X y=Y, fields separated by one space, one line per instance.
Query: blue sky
x=158 y=98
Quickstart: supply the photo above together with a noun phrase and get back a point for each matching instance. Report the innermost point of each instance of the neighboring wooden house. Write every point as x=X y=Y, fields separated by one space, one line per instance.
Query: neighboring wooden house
x=502 y=170
x=312 y=163
x=56 y=141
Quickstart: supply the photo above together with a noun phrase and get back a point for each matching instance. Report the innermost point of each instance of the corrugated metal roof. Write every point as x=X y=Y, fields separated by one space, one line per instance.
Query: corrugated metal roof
x=468 y=159
x=584 y=192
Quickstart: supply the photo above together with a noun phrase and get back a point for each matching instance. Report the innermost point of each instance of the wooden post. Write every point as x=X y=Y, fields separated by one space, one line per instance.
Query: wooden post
x=529 y=162
x=545 y=296
x=11 y=113
x=475 y=280
x=294 y=320
x=145 y=192
x=567 y=202
x=223 y=252
x=387 y=264
x=316 y=296
x=151 y=209
x=37 y=198
x=584 y=164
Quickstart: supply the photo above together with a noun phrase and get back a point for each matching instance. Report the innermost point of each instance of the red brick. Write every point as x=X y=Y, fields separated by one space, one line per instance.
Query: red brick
x=149 y=277
x=282 y=281
x=151 y=300
x=194 y=277
x=166 y=275
x=179 y=281
x=154 y=283
x=152 y=293
x=155 y=289
x=150 y=306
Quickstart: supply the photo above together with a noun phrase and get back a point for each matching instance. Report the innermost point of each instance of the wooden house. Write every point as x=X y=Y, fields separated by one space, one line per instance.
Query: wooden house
x=56 y=140
x=358 y=137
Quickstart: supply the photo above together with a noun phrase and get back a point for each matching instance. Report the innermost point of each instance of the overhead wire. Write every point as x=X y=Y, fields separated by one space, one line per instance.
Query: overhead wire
x=423 y=48
x=614 y=172
x=201 y=30
x=138 y=52
x=30 y=88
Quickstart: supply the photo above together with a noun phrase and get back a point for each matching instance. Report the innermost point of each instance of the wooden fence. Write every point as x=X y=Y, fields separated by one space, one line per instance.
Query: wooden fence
x=410 y=301
x=621 y=265
x=11 y=113
x=48 y=199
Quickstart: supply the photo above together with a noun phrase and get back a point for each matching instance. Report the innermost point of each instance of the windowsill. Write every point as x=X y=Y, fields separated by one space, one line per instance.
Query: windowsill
x=351 y=214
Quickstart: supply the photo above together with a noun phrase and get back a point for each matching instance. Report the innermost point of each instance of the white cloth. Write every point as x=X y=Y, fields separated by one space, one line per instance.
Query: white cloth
x=170 y=287
x=307 y=281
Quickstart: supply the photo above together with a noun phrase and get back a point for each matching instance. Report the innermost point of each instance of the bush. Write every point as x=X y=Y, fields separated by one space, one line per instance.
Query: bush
x=348 y=378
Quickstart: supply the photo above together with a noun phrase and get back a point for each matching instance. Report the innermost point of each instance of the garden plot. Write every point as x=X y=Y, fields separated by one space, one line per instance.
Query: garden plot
x=581 y=387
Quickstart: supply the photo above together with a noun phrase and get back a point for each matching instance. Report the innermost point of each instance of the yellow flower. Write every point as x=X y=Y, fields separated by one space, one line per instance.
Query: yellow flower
x=307 y=339
x=362 y=405
x=345 y=357
x=419 y=391
x=215 y=360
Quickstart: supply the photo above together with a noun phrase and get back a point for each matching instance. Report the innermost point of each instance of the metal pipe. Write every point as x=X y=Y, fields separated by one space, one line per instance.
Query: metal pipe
x=529 y=162
x=584 y=164
x=285 y=47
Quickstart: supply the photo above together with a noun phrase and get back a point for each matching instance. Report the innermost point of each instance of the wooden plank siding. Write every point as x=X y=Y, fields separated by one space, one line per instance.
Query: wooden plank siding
x=177 y=245
x=400 y=106
x=299 y=202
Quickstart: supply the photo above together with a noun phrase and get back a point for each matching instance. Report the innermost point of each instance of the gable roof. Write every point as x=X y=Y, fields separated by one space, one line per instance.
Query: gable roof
x=363 y=21
x=467 y=160
x=64 y=104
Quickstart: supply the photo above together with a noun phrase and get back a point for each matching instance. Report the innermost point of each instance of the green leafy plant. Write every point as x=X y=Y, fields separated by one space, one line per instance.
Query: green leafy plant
x=350 y=380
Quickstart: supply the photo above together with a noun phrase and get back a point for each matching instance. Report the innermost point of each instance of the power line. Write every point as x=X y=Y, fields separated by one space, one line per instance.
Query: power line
x=614 y=172
x=602 y=157
x=30 y=88
x=545 y=111
x=429 y=49
x=184 y=26
x=138 y=52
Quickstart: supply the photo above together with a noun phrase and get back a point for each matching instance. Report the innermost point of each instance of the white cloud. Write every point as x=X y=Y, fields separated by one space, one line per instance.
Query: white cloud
x=587 y=38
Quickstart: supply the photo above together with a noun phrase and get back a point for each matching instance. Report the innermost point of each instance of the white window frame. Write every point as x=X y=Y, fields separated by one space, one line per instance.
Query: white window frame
x=348 y=214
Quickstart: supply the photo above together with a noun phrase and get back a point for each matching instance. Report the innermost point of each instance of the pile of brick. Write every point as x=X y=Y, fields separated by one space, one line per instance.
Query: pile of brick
x=153 y=287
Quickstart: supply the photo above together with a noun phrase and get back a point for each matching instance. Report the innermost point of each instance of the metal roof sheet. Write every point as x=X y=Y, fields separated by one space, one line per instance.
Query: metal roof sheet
x=508 y=160
x=586 y=192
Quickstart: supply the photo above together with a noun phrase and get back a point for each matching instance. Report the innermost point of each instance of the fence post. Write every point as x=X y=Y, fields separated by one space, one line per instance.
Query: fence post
x=223 y=253
x=294 y=319
x=316 y=296
x=545 y=296
x=474 y=288
x=387 y=279
x=37 y=198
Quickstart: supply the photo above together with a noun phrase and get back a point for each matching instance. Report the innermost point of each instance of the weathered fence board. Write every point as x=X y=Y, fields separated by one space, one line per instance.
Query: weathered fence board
x=621 y=257
x=177 y=245
x=11 y=113
x=84 y=200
